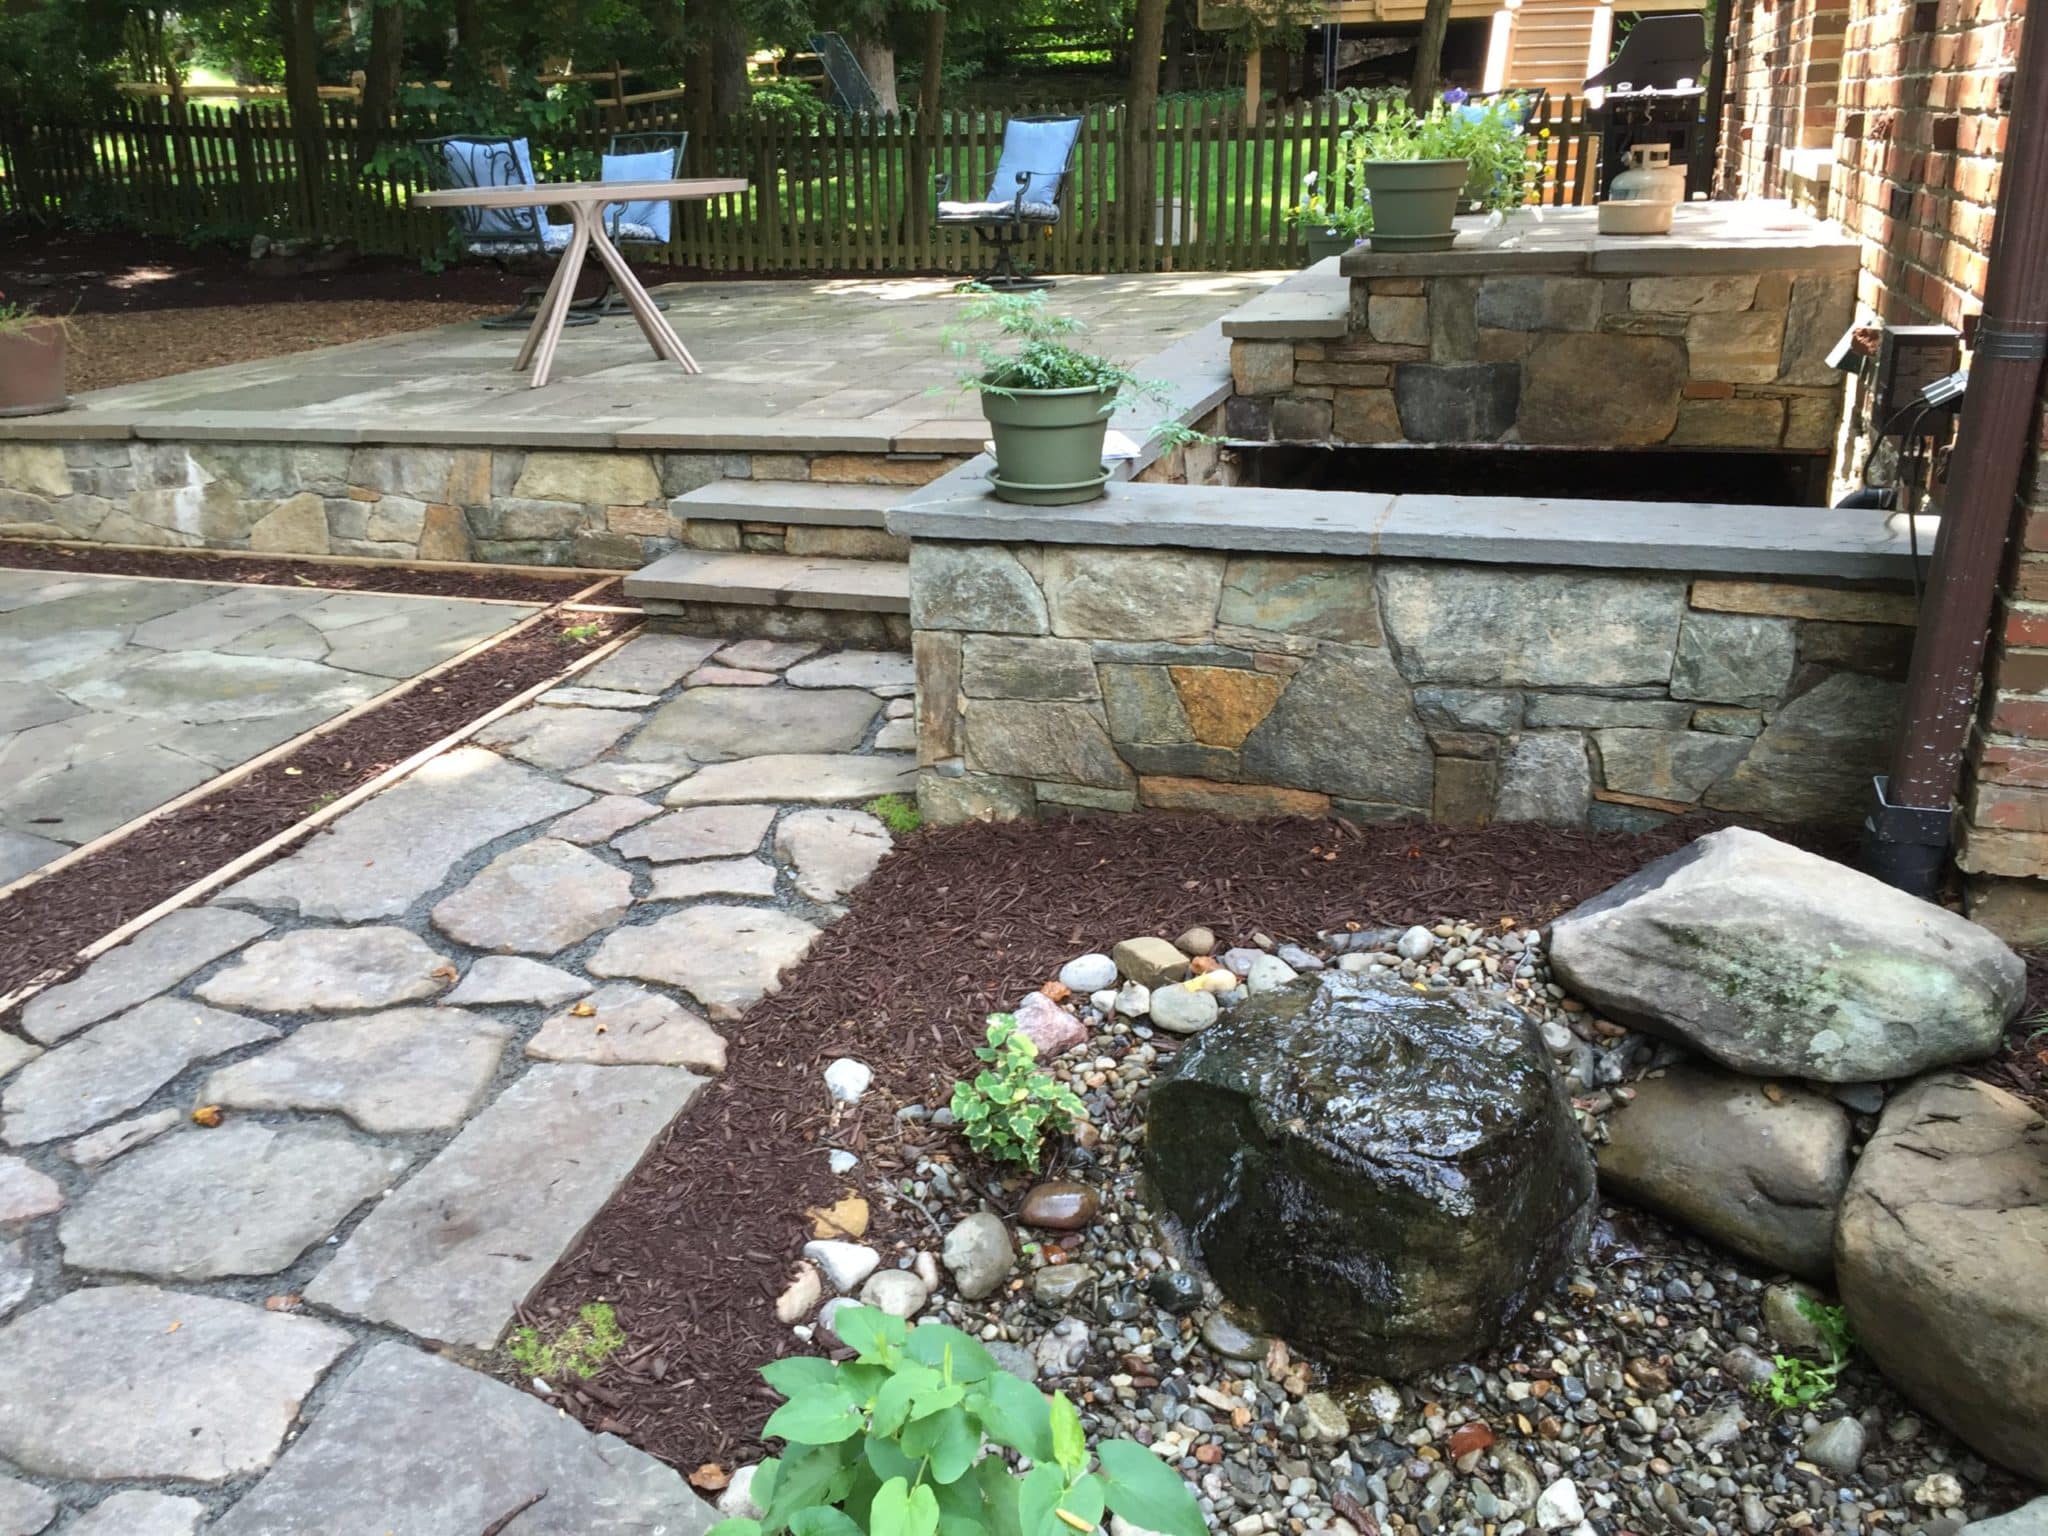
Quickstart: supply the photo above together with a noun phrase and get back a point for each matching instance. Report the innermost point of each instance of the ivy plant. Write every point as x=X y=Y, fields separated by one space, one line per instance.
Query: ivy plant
x=1007 y=1108
x=922 y=1434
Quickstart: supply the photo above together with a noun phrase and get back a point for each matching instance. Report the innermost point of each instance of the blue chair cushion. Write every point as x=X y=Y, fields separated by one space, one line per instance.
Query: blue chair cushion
x=483 y=163
x=648 y=220
x=1038 y=150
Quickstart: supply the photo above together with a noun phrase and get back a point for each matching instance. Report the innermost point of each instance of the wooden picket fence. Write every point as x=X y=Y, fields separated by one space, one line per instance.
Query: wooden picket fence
x=1204 y=187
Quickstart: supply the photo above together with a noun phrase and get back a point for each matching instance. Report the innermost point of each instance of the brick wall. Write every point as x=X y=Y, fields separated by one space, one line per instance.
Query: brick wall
x=1784 y=74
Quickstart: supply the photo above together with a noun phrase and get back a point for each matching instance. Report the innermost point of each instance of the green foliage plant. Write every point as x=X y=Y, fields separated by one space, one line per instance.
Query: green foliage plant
x=899 y=813
x=922 y=1434
x=1798 y=1383
x=1486 y=138
x=1336 y=202
x=579 y=1351
x=1008 y=1107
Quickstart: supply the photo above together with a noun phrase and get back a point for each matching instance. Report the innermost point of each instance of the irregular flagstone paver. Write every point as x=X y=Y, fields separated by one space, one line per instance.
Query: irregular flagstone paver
x=115 y=1066
x=599 y=698
x=651 y=663
x=539 y=898
x=887 y=673
x=128 y=1381
x=726 y=957
x=454 y=1252
x=15 y=1053
x=24 y=1508
x=729 y=677
x=156 y=959
x=630 y=1026
x=552 y=737
x=417 y=636
x=136 y=1513
x=628 y=778
x=411 y=1069
x=513 y=979
x=766 y=655
x=246 y=1199
x=820 y=778
x=712 y=877
x=896 y=736
x=207 y=688
x=109 y=1142
x=383 y=856
x=707 y=833
x=602 y=819
x=419 y=1446
x=25 y=1193
x=17 y=1279
x=329 y=970
x=833 y=851
x=21 y=852
x=715 y=725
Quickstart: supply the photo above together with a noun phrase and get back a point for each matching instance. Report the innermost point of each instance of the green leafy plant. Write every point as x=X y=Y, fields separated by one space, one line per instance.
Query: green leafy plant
x=899 y=813
x=1798 y=1383
x=1336 y=202
x=1489 y=139
x=1007 y=1109
x=916 y=1436
x=578 y=1351
x=577 y=634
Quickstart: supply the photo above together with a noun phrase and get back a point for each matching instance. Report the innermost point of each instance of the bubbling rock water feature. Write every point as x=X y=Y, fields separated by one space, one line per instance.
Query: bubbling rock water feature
x=1390 y=1176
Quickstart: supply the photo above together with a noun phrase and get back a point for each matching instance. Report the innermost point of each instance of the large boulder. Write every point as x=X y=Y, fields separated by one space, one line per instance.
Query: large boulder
x=1391 y=1177
x=1774 y=961
x=1941 y=1257
x=1759 y=1172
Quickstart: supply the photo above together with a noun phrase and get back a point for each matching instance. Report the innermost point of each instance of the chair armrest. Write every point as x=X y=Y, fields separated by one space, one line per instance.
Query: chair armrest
x=942 y=183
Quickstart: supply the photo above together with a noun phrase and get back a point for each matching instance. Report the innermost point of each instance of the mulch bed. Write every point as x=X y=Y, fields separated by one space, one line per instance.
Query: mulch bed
x=21 y=556
x=959 y=922
x=43 y=926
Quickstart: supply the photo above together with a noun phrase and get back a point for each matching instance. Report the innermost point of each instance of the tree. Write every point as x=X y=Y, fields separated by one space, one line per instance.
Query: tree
x=299 y=32
x=933 y=77
x=382 y=72
x=1429 y=56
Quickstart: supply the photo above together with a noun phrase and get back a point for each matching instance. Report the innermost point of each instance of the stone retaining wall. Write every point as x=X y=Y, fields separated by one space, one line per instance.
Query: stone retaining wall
x=1112 y=678
x=1733 y=359
x=606 y=509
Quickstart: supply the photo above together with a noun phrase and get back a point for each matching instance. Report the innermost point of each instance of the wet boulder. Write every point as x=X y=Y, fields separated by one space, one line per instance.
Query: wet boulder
x=1775 y=961
x=1388 y=1177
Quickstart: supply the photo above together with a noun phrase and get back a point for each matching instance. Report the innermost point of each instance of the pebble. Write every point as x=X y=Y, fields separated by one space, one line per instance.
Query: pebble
x=1558 y=1507
x=896 y=1292
x=1196 y=941
x=1062 y=1351
x=801 y=1297
x=1268 y=973
x=1415 y=944
x=1939 y=1490
x=1059 y=1206
x=1088 y=973
x=1836 y=1446
x=842 y=1161
x=1056 y=1285
x=845 y=1265
x=1182 y=1012
x=1301 y=959
x=1132 y=1000
x=1322 y=1419
x=1231 y=1341
x=1178 y=1291
x=847 y=1080
x=1787 y=1323
x=979 y=1255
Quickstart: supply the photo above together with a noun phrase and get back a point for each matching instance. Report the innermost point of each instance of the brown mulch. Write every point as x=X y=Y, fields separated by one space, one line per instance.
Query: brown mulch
x=960 y=921
x=112 y=349
x=278 y=571
x=43 y=926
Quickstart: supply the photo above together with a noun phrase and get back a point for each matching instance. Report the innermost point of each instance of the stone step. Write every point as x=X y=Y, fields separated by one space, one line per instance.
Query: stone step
x=814 y=503
x=773 y=581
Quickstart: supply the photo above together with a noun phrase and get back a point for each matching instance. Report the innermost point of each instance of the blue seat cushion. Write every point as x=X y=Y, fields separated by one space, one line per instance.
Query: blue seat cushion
x=1038 y=150
x=486 y=163
x=998 y=213
x=648 y=220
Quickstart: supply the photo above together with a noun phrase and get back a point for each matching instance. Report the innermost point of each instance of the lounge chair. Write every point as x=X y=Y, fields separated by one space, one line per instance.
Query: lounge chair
x=1025 y=195
x=468 y=160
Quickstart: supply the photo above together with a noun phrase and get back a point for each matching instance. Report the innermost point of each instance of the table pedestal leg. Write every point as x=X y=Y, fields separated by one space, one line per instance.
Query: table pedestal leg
x=653 y=323
x=546 y=331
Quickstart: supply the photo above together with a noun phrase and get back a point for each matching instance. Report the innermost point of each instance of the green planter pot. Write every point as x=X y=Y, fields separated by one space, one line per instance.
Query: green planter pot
x=1049 y=444
x=1326 y=242
x=1413 y=202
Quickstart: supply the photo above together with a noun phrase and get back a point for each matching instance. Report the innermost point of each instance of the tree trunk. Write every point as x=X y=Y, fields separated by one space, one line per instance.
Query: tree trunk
x=1429 y=56
x=876 y=55
x=1176 y=44
x=933 y=78
x=301 y=40
x=698 y=91
x=730 y=90
x=383 y=71
x=1141 y=117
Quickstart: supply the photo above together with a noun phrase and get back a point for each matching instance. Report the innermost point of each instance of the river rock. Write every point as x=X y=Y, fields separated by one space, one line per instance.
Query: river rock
x=1052 y=1029
x=1941 y=1255
x=1388 y=1177
x=1182 y=1012
x=979 y=1255
x=1059 y=1206
x=1759 y=1174
x=1777 y=961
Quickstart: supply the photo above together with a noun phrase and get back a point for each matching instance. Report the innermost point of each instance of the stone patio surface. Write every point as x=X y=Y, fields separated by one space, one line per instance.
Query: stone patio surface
x=784 y=364
x=119 y=693
x=440 y=1036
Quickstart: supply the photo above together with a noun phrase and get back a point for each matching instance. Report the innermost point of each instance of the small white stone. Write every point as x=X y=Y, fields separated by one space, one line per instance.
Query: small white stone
x=844 y=1264
x=1938 y=1490
x=1414 y=944
x=1354 y=963
x=848 y=1079
x=736 y=1500
x=829 y=1314
x=1268 y=973
x=1088 y=973
x=801 y=1296
x=1558 y=1506
x=1133 y=1000
x=896 y=1292
x=842 y=1162
x=926 y=1268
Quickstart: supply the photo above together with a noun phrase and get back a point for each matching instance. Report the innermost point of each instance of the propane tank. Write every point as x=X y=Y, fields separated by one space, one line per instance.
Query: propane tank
x=1641 y=199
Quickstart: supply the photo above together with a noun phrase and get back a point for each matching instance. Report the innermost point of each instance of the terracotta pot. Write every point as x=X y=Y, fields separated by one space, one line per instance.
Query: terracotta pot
x=32 y=368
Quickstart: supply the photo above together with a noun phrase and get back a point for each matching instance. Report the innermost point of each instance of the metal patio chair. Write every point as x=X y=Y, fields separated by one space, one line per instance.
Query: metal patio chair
x=500 y=234
x=645 y=156
x=1026 y=195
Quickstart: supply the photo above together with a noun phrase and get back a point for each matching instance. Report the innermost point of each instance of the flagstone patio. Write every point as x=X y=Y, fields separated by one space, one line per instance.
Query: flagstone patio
x=439 y=1036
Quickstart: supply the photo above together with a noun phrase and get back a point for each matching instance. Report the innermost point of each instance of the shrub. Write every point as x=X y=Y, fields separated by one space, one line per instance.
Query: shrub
x=1006 y=1110
x=578 y=1351
x=895 y=1443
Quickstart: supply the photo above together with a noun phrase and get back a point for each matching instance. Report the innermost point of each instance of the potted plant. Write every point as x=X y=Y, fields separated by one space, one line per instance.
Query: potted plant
x=33 y=349
x=1330 y=221
x=1048 y=403
x=1416 y=166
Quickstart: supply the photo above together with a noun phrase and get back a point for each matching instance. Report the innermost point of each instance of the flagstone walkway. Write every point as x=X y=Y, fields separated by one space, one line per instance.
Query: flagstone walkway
x=440 y=1035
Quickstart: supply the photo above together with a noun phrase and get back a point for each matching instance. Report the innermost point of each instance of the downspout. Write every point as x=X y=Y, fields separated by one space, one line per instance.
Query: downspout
x=1906 y=836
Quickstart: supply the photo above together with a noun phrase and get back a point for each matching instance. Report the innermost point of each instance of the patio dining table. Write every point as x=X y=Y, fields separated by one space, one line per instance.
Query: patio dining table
x=585 y=202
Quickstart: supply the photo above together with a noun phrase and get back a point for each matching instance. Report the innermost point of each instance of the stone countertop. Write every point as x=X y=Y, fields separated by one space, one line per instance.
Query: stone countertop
x=1847 y=545
x=1749 y=236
